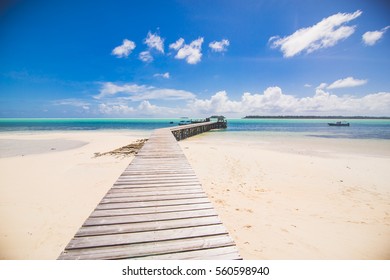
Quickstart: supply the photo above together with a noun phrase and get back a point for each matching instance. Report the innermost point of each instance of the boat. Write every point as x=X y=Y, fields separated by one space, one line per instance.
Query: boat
x=339 y=124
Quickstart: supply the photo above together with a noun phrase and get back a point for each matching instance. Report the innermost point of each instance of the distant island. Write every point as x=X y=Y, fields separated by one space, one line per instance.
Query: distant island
x=315 y=117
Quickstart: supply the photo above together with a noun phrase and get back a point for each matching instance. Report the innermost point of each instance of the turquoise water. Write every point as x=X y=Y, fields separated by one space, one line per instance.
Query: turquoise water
x=359 y=129
x=84 y=124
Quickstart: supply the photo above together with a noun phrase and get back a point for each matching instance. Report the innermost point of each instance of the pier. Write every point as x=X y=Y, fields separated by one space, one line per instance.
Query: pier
x=156 y=209
x=185 y=131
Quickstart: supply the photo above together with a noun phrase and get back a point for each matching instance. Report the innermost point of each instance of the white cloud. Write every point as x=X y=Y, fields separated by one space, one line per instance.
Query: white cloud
x=125 y=49
x=145 y=56
x=326 y=33
x=177 y=45
x=153 y=41
x=136 y=92
x=307 y=85
x=72 y=102
x=219 y=46
x=274 y=102
x=116 y=109
x=163 y=93
x=219 y=102
x=371 y=37
x=322 y=86
x=148 y=109
x=111 y=89
x=142 y=100
x=347 y=82
x=191 y=53
x=165 y=75
x=144 y=108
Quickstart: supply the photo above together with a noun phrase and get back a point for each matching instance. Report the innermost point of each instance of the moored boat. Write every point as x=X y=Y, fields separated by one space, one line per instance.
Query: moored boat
x=339 y=124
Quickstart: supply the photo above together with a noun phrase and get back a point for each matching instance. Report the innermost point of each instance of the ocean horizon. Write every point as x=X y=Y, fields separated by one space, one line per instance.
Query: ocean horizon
x=358 y=129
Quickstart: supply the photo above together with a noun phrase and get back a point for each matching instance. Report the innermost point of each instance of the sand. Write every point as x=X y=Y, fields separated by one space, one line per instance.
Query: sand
x=298 y=197
x=50 y=182
x=280 y=197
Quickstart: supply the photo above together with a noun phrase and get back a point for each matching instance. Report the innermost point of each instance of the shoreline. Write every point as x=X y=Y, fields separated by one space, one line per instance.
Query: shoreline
x=23 y=147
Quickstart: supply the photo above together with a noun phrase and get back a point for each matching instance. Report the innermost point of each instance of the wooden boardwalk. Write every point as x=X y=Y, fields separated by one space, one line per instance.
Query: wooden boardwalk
x=155 y=210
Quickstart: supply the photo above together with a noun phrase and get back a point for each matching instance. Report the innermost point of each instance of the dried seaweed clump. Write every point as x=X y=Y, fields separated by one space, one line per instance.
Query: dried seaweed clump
x=124 y=151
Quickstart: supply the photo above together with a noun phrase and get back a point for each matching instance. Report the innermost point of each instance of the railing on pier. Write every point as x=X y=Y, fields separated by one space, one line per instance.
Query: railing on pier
x=185 y=131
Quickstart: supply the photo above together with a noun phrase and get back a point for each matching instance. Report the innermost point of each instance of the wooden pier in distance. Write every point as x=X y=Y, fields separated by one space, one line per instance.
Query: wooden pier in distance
x=185 y=131
x=157 y=209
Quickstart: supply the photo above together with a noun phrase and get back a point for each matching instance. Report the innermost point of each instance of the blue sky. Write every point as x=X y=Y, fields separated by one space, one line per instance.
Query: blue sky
x=193 y=58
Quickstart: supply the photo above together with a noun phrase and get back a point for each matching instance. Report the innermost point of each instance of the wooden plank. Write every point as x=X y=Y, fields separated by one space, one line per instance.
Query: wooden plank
x=165 y=162
x=157 y=176
x=146 y=172
x=156 y=187
x=174 y=170
x=153 y=198
x=147 y=191
x=129 y=192
x=147 y=226
x=229 y=252
x=149 y=217
x=143 y=167
x=136 y=204
x=143 y=237
x=159 y=185
x=158 y=182
x=148 y=249
x=148 y=210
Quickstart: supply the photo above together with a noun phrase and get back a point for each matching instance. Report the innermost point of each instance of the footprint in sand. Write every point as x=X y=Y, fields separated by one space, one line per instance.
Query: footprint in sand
x=220 y=201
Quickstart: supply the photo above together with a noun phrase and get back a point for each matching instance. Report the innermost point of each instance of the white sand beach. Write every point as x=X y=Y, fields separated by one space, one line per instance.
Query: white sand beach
x=280 y=198
x=298 y=197
x=49 y=184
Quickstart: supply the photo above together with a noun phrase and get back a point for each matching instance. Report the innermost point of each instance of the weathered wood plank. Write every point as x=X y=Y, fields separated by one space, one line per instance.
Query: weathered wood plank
x=229 y=252
x=148 y=198
x=142 y=203
x=143 y=237
x=154 y=184
x=147 y=226
x=137 y=189
x=157 y=176
x=148 y=210
x=176 y=168
x=162 y=192
x=149 y=217
x=129 y=192
x=143 y=171
x=148 y=249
